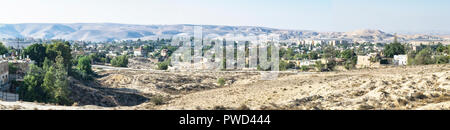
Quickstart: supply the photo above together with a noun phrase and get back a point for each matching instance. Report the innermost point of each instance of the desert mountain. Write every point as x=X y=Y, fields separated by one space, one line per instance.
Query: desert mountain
x=112 y=31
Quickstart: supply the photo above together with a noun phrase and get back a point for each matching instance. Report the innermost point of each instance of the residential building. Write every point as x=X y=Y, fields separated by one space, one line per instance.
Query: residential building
x=140 y=52
x=400 y=60
x=367 y=62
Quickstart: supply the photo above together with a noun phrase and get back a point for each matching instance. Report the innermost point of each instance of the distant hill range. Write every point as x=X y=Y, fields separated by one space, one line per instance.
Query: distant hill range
x=110 y=32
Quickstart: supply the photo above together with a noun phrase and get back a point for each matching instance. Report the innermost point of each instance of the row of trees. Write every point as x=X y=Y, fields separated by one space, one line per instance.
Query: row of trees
x=438 y=54
x=430 y=55
x=47 y=80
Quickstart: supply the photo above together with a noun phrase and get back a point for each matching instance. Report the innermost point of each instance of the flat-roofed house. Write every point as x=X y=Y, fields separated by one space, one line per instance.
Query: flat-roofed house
x=366 y=62
x=400 y=60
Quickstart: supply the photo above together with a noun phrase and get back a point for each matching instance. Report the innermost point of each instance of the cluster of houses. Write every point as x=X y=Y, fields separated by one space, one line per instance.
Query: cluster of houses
x=368 y=53
x=115 y=51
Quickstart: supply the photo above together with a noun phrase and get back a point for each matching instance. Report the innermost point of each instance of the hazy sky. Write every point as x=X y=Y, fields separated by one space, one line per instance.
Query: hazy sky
x=320 y=15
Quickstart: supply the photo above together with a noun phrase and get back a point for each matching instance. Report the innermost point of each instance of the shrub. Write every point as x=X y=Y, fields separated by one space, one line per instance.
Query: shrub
x=283 y=65
x=243 y=107
x=157 y=100
x=393 y=49
x=424 y=57
x=221 y=81
x=219 y=108
x=84 y=65
x=80 y=75
x=304 y=68
x=442 y=59
x=319 y=66
x=49 y=85
x=120 y=61
x=163 y=65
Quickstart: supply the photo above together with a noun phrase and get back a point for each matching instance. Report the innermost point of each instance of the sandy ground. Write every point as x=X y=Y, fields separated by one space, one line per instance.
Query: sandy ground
x=394 y=88
x=422 y=87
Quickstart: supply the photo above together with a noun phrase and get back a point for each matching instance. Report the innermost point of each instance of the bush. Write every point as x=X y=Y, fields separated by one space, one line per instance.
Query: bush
x=120 y=61
x=424 y=57
x=319 y=66
x=325 y=67
x=349 y=65
x=219 y=108
x=80 y=75
x=49 y=85
x=157 y=100
x=442 y=59
x=304 y=68
x=393 y=49
x=243 y=107
x=84 y=65
x=284 y=65
x=221 y=81
x=163 y=65
x=350 y=59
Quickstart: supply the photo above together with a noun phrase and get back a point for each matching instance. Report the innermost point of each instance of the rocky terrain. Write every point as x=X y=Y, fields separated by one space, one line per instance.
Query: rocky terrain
x=420 y=87
x=392 y=88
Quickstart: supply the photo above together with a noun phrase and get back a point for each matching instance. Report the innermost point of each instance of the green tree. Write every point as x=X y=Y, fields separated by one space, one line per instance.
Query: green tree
x=313 y=55
x=84 y=65
x=3 y=49
x=424 y=57
x=350 y=58
x=283 y=65
x=441 y=48
x=47 y=64
x=330 y=52
x=287 y=54
x=62 y=92
x=120 y=61
x=393 y=49
x=49 y=85
x=442 y=59
x=163 y=65
x=31 y=90
x=304 y=68
x=221 y=82
x=60 y=48
x=319 y=66
x=36 y=52
x=411 y=58
x=12 y=69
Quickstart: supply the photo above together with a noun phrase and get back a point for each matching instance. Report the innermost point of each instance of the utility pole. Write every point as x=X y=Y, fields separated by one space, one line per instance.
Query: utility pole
x=18 y=41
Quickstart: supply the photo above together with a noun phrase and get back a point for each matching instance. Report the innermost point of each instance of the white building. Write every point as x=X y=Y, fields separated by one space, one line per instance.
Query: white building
x=307 y=62
x=400 y=60
x=140 y=52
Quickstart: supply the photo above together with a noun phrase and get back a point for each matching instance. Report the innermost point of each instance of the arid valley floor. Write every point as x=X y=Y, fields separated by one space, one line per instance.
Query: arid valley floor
x=391 y=88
